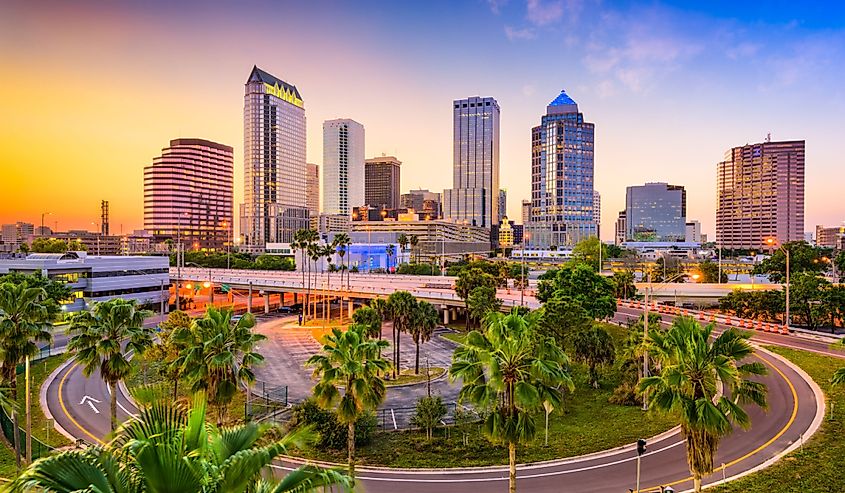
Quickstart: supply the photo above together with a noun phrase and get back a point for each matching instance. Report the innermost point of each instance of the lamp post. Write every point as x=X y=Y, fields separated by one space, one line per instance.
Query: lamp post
x=42 y=225
x=772 y=242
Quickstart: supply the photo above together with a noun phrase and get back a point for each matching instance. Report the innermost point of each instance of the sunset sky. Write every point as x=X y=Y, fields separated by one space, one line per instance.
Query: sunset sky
x=91 y=91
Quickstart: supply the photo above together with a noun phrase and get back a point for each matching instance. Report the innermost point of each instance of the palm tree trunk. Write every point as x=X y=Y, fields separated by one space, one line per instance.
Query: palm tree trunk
x=175 y=388
x=394 y=350
x=113 y=405
x=696 y=481
x=350 y=448
x=417 y=362
x=13 y=385
x=512 y=463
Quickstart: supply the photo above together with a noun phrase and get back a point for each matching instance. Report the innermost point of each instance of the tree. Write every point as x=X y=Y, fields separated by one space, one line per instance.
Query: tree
x=25 y=319
x=623 y=284
x=594 y=347
x=48 y=245
x=839 y=262
x=693 y=369
x=422 y=328
x=403 y=308
x=168 y=448
x=587 y=251
x=615 y=251
x=390 y=251
x=560 y=317
x=76 y=246
x=710 y=272
x=100 y=338
x=274 y=262
x=403 y=241
x=218 y=355
x=585 y=286
x=802 y=258
x=481 y=301
x=369 y=318
x=508 y=371
x=300 y=242
x=352 y=361
x=414 y=241
x=469 y=279
x=429 y=412
x=807 y=299
x=166 y=351
x=57 y=292
x=343 y=243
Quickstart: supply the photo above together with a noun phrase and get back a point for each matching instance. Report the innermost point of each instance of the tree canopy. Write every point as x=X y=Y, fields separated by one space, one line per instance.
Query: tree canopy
x=583 y=285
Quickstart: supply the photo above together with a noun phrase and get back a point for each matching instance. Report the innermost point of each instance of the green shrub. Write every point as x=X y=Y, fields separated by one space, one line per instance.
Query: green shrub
x=332 y=432
x=428 y=414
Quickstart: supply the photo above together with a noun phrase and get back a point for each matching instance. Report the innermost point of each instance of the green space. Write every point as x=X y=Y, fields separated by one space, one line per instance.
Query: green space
x=41 y=428
x=455 y=337
x=815 y=468
x=408 y=376
x=573 y=430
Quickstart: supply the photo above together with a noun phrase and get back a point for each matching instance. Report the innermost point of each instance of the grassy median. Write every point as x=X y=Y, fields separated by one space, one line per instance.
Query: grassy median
x=817 y=468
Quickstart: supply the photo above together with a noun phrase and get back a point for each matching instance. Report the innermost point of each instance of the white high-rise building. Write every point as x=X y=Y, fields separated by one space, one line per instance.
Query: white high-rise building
x=275 y=204
x=343 y=166
x=474 y=196
x=597 y=212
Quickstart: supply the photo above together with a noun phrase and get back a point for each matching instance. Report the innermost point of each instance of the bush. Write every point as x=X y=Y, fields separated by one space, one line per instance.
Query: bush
x=332 y=432
x=429 y=412
x=417 y=269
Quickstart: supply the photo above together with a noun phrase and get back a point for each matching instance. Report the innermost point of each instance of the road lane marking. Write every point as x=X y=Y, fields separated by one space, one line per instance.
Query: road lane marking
x=90 y=400
x=64 y=408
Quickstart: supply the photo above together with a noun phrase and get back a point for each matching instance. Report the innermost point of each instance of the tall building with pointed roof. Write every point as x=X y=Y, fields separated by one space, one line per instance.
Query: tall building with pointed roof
x=275 y=204
x=561 y=177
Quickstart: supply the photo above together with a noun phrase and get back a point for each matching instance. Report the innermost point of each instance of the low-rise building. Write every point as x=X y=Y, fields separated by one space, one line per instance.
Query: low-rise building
x=437 y=239
x=830 y=237
x=99 y=278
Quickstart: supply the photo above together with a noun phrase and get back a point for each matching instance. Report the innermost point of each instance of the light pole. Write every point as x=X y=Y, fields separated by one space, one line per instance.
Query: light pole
x=228 y=244
x=42 y=225
x=99 y=234
x=772 y=242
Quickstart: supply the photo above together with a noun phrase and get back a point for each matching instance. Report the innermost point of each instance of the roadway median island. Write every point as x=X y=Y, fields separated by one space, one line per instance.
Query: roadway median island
x=816 y=466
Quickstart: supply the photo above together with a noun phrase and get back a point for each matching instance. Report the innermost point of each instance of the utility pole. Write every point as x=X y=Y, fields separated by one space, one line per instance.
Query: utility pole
x=28 y=414
x=645 y=336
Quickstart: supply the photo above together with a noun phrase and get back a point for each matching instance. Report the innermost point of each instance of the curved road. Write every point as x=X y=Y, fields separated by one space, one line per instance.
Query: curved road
x=792 y=409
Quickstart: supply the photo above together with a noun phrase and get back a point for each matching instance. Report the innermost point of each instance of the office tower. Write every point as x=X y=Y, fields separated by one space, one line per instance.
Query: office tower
x=656 y=212
x=526 y=211
x=17 y=233
x=275 y=204
x=597 y=212
x=833 y=237
x=104 y=217
x=561 y=177
x=475 y=168
x=621 y=229
x=422 y=201
x=312 y=189
x=693 y=233
x=343 y=166
x=503 y=204
x=188 y=193
x=381 y=182
x=760 y=195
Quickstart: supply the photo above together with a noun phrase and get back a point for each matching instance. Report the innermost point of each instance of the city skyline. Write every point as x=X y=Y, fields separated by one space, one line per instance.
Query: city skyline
x=621 y=61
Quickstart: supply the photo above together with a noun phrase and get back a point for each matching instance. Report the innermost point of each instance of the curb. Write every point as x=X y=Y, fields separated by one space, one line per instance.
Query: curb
x=42 y=399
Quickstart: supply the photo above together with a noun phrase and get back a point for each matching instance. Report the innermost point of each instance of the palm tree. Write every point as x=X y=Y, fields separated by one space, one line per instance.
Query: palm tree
x=25 y=318
x=300 y=243
x=594 y=347
x=169 y=449
x=693 y=369
x=422 y=328
x=100 y=338
x=314 y=254
x=414 y=240
x=391 y=251
x=218 y=355
x=403 y=241
x=328 y=252
x=509 y=370
x=351 y=361
x=369 y=318
x=342 y=242
x=402 y=307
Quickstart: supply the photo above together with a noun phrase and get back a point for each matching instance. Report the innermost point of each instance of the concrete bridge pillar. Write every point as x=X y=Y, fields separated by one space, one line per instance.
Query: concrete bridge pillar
x=445 y=314
x=351 y=307
x=266 y=302
x=249 y=299
x=294 y=298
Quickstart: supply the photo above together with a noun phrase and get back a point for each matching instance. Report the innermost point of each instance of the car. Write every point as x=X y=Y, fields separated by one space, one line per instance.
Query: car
x=285 y=309
x=236 y=318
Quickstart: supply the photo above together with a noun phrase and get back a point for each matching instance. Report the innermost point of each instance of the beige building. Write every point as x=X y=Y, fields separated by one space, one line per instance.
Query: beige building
x=312 y=186
x=830 y=237
x=760 y=195
x=505 y=234
x=437 y=238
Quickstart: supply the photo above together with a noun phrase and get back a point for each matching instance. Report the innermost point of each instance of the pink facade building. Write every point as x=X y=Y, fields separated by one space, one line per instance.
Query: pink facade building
x=188 y=193
x=760 y=194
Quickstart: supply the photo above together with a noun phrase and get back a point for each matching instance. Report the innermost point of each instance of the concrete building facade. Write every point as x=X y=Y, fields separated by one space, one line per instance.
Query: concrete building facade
x=343 y=166
x=312 y=187
x=381 y=182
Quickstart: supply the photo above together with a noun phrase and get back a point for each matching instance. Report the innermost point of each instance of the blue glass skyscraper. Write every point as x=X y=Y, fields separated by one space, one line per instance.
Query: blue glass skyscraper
x=561 y=177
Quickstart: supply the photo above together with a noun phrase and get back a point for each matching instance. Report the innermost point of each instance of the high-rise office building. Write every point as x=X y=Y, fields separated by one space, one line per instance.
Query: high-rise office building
x=597 y=211
x=693 y=234
x=656 y=212
x=621 y=229
x=381 y=182
x=503 y=204
x=343 y=166
x=475 y=173
x=275 y=204
x=188 y=194
x=760 y=195
x=561 y=177
x=526 y=211
x=312 y=200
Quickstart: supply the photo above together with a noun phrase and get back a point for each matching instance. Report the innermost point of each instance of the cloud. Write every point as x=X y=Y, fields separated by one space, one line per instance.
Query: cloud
x=496 y=5
x=542 y=13
x=743 y=50
x=528 y=90
x=517 y=34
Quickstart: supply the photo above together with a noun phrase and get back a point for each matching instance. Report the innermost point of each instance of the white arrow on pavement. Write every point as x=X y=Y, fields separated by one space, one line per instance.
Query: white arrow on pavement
x=90 y=400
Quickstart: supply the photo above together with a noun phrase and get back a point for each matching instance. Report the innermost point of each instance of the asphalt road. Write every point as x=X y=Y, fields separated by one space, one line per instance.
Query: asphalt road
x=792 y=408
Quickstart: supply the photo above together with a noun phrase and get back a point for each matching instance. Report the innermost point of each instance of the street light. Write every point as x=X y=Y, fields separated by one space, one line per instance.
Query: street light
x=772 y=242
x=42 y=221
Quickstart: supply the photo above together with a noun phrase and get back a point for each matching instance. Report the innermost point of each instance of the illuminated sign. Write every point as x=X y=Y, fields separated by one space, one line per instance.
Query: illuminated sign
x=284 y=94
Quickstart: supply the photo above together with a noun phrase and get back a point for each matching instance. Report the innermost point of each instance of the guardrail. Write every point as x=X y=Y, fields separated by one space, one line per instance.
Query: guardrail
x=703 y=316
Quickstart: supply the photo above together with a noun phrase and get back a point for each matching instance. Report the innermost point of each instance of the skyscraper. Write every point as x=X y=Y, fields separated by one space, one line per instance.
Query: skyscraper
x=381 y=182
x=597 y=212
x=343 y=166
x=312 y=189
x=475 y=172
x=275 y=204
x=656 y=212
x=621 y=229
x=760 y=195
x=561 y=177
x=503 y=205
x=526 y=211
x=188 y=194
x=422 y=201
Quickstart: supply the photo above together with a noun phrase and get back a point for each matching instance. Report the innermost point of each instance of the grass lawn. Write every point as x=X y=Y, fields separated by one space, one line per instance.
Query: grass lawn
x=41 y=429
x=816 y=469
x=455 y=337
x=587 y=423
x=406 y=377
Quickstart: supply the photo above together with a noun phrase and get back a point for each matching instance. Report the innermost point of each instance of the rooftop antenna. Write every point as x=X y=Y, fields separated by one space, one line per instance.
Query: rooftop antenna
x=768 y=137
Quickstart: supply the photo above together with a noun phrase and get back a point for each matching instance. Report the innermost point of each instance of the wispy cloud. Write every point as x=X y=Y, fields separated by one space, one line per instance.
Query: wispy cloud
x=542 y=13
x=743 y=50
x=496 y=5
x=514 y=34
